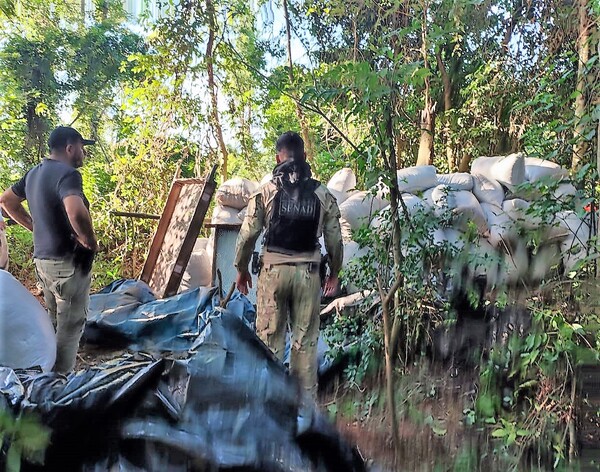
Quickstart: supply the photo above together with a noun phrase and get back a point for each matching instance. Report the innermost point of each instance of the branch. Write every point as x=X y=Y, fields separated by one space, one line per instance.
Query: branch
x=314 y=109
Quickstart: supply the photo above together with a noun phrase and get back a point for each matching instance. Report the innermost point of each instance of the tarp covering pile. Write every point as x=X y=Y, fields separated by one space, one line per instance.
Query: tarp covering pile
x=125 y=314
x=228 y=405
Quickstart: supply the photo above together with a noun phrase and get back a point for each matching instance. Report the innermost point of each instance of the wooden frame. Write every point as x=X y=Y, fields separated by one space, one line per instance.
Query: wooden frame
x=177 y=231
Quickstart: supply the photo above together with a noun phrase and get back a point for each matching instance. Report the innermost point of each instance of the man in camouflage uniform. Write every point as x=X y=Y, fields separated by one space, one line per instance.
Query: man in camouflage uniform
x=295 y=210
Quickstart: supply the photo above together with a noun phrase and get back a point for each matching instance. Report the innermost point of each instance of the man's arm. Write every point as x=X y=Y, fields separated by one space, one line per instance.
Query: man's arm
x=332 y=235
x=249 y=233
x=13 y=204
x=81 y=221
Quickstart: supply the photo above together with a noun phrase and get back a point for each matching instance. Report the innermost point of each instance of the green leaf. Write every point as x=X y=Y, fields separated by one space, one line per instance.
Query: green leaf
x=438 y=430
x=499 y=433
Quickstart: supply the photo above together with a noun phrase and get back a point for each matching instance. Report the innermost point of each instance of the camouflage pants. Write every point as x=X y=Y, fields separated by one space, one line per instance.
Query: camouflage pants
x=291 y=293
x=66 y=292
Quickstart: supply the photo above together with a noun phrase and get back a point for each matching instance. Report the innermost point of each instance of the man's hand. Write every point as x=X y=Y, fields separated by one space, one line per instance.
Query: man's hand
x=331 y=287
x=243 y=281
x=13 y=205
x=81 y=222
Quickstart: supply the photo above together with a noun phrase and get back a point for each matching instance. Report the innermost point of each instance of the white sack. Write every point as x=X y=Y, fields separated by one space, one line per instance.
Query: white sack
x=416 y=179
x=515 y=264
x=357 y=211
x=341 y=197
x=484 y=260
x=450 y=236
x=565 y=190
x=463 y=205
x=541 y=263
x=487 y=190
x=573 y=250
x=27 y=334
x=456 y=181
x=381 y=189
x=516 y=209
x=198 y=272
x=483 y=165
x=381 y=221
x=242 y=213
x=3 y=251
x=266 y=179
x=352 y=252
x=236 y=192
x=428 y=196
x=501 y=226
x=510 y=170
x=223 y=215
x=574 y=226
x=536 y=169
x=413 y=204
x=342 y=181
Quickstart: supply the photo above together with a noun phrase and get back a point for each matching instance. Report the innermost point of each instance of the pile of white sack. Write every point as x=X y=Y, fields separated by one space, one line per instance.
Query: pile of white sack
x=489 y=197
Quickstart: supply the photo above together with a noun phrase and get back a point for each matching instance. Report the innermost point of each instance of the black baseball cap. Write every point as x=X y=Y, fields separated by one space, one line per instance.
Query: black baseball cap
x=63 y=135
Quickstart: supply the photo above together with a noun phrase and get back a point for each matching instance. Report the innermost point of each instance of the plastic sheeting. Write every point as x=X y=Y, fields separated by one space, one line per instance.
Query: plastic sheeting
x=27 y=337
x=228 y=406
x=125 y=314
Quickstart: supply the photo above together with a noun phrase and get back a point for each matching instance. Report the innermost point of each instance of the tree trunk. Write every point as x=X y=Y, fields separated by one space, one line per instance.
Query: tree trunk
x=427 y=124
x=427 y=118
x=210 y=10
x=387 y=298
x=465 y=163
x=583 y=48
x=308 y=145
x=447 y=83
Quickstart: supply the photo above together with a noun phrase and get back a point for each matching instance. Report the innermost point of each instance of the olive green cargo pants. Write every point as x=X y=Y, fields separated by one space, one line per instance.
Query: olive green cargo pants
x=67 y=295
x=291 y=293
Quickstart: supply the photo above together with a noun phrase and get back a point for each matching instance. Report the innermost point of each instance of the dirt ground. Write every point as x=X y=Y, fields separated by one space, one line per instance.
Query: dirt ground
x=432 y=432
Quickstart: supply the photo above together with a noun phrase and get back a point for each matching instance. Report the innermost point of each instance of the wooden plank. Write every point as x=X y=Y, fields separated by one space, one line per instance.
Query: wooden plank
x=189 y=241
x=161 y=231
x=177 y=231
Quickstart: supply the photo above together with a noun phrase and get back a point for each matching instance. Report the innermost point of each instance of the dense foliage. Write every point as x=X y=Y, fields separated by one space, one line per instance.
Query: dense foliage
x=372 y=85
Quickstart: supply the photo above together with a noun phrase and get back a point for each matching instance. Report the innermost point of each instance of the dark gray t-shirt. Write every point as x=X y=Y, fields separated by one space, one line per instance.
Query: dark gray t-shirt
x=45 y=186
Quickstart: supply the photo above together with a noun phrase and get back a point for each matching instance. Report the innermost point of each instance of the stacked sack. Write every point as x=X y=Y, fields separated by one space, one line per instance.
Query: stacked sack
x=232 y=199
x=492 y=197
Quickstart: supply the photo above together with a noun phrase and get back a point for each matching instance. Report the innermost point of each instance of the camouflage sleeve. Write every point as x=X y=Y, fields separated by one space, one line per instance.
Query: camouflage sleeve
x=249 y=233
x=332 y=234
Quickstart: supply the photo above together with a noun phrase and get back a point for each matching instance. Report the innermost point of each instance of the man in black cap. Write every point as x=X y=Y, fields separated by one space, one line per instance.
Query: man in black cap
x=63 y=236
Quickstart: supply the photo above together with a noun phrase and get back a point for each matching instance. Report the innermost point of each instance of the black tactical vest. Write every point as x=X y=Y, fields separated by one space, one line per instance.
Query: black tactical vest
x=294 y=221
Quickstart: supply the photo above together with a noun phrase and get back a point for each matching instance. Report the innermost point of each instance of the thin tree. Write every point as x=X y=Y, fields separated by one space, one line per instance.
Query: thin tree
x=212 y=87
x=299 y=112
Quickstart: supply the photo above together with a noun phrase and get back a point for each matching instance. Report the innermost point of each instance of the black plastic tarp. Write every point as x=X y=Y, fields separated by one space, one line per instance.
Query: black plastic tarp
x=228 y=405
x=126 y=314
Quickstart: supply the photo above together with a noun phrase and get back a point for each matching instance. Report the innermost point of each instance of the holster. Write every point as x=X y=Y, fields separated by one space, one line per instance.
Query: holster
x=323 y=268
x=256 y=263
